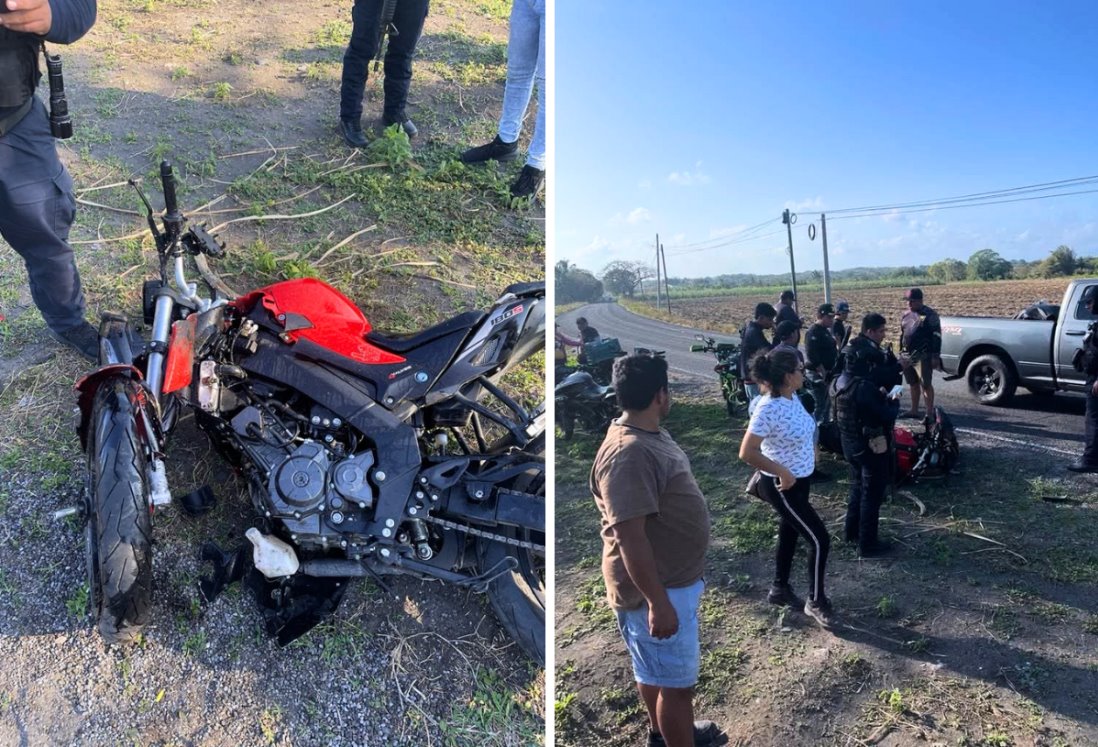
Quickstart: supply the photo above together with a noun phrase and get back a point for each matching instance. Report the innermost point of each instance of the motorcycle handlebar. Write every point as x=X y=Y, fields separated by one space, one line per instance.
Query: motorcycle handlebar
x=167 y=181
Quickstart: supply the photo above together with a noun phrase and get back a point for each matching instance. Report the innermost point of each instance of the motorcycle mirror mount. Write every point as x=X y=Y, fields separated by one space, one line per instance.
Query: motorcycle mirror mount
x=149 y=216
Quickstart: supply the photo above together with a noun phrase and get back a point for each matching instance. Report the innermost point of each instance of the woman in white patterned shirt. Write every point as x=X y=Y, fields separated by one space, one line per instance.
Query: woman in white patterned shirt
x=779 y=443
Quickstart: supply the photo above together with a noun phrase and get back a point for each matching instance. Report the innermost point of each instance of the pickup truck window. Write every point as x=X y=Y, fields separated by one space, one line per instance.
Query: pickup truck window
x=1081 y=309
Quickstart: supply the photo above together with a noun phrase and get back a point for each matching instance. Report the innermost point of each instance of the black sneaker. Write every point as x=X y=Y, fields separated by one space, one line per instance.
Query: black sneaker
x=820 y=611
x=782 y=594
x=83 y=338
x=352 y=133
x=406 y=124
x=706 y=733
x=528 y=183
x=497 y=150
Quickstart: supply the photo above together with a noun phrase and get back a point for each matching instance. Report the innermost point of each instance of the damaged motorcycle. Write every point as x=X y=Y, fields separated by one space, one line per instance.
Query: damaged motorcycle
x=364 y=453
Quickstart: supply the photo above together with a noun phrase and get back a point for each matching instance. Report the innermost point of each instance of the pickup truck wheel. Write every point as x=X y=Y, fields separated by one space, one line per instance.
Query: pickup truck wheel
x=991 y=380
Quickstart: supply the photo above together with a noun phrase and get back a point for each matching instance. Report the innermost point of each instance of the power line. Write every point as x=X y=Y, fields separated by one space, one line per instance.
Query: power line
x=1043 y=187
x=736 y=235
x=738 y=239
x=969 y=204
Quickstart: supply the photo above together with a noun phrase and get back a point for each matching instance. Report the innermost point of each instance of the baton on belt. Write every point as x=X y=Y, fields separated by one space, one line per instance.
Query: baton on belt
x=385 y=28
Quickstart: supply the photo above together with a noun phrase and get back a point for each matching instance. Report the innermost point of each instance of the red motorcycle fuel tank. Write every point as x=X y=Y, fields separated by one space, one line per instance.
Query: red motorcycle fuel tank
x=313 y=310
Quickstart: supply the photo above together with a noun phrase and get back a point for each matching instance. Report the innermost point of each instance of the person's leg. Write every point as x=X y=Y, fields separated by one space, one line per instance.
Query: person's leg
x=535 y=157
x=808 y=523
x=650 y=695
x=852 y=524
x=365 y=17
x=874 y=480
x=522 y=64
x=37 y=208
x=1090 y=450
x=915 y=384
x=408 y=19
x=926 y=374
x=675 y=715
x=787 y=533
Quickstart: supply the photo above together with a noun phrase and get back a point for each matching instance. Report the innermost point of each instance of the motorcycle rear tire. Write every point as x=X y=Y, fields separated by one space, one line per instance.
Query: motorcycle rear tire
x=119 y=525
x=518 y=597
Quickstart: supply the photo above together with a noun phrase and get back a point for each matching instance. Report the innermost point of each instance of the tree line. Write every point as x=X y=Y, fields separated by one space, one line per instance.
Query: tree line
x=626 y=278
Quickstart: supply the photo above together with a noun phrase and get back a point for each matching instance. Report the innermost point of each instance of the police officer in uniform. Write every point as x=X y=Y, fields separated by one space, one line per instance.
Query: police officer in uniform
x=866 y=416
x=1089 y=461
x=407 y=20
x=37 y=203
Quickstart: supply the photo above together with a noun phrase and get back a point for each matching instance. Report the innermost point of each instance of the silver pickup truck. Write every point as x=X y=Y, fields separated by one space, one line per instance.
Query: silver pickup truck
x=1033 y=350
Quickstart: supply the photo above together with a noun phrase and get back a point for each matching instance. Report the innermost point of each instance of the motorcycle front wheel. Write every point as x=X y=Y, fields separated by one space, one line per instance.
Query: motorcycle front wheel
x=518 y=597
x=119 y=526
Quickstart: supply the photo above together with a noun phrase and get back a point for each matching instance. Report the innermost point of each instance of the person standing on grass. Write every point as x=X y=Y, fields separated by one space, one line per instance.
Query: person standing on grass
x=866 y=416
x=406 y=27
x=921 y=346
x=752 y=341
x=525 y=68
x=37 y=203
x=779 y=443
x=655 y=533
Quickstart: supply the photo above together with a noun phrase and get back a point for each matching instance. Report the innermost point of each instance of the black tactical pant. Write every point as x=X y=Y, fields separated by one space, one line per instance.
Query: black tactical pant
x=37 y=208
x=1090 y=452
x=868 y=481
x=366 y=17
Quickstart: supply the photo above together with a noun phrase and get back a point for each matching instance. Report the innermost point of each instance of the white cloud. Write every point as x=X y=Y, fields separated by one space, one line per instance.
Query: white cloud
x=813 y=205
x=689 y=178
x=638 y=215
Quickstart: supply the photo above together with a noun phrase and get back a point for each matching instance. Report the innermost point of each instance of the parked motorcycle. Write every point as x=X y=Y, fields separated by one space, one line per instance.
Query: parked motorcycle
x=364 y=453
x=728 y=370
x=579 y=398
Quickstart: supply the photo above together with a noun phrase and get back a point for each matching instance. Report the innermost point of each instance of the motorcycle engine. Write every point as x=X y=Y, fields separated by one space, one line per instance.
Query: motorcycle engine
x=322 y=494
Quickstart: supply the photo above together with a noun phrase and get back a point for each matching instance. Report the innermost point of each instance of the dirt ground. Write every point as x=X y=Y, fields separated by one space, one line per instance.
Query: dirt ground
x=242 y=97
x=997 y=298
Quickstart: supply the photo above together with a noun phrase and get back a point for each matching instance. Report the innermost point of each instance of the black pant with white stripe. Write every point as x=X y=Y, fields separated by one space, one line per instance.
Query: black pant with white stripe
x=798 y=518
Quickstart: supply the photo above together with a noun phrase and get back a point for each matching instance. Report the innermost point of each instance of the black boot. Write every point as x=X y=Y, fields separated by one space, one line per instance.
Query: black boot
x=351 y=130
x=83 y=338
x=528 y=183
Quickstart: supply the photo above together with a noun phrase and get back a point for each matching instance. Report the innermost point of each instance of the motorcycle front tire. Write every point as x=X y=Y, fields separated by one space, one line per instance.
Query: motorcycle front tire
x=518 y=597
x=119 y=525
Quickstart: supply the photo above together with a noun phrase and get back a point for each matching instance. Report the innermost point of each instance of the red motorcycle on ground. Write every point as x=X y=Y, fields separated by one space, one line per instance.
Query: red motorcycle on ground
x=364 y=453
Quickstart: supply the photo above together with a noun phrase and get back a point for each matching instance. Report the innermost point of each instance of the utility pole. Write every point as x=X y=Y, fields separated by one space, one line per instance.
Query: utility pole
x=658 y=302
x=789 y=219
x=827 y=271
x=666 y=285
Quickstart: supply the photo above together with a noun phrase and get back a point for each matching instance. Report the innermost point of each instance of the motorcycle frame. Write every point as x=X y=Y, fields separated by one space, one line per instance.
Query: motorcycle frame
x=177 y=299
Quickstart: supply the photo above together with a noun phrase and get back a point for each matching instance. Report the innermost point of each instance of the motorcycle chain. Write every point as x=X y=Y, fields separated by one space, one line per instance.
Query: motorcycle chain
x=525 y=545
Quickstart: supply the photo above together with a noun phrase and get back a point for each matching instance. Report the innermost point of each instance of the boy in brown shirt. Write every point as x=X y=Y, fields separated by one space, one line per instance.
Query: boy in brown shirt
x=655 y=531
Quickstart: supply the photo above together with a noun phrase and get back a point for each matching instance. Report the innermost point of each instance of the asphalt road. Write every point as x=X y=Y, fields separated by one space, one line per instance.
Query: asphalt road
x=1051 y=424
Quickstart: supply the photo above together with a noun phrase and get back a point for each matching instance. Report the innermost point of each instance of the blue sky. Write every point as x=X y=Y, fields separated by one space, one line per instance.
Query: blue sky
x=699 y=123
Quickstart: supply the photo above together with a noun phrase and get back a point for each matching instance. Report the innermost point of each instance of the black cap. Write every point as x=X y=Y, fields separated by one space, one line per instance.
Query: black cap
x=826 y=309
x=915 y=294
x=787 y=293
x=842 y=306
x=785 y=329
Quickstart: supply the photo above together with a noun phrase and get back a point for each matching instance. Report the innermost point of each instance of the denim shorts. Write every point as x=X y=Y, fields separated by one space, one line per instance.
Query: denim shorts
x=668 y=662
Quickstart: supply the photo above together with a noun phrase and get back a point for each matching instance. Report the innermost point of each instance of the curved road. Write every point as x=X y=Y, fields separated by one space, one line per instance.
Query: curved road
x=1053 y=425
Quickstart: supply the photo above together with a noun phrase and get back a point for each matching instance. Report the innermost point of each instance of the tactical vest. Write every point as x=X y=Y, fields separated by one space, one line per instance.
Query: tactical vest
x=19 y=75
x=846 y=410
